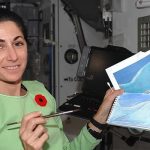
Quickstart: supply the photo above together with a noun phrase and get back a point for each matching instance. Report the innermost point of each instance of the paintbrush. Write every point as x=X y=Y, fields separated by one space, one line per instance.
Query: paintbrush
x=50 y=115
x=109 y=86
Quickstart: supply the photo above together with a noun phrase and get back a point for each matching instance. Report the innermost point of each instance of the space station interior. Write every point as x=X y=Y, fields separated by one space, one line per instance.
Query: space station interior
x=71 y=43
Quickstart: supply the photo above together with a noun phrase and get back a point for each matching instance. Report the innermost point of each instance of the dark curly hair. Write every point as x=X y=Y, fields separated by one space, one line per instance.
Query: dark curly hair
x=7 y=15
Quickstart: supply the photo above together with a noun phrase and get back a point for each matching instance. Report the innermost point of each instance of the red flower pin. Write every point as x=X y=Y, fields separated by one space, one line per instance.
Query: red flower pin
x=40 y=100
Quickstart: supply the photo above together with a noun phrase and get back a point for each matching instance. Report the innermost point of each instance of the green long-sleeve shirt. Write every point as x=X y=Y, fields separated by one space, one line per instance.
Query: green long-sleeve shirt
x=13 y=108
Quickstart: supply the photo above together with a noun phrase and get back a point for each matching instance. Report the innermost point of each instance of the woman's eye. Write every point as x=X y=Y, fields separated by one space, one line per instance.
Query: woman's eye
x=19 y=44
x=1 y=46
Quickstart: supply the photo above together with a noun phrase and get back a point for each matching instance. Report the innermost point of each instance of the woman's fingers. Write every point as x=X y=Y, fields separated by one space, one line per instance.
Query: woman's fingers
x=33 y=132
x=38 y=132
x=111 y=95
x=32 y=123
x=26 y=119
x=37 y=139
x=40 y=141
x=106 y=105
x=33 y=126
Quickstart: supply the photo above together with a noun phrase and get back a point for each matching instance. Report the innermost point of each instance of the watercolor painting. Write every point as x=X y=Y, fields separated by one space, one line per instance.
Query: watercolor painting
x=133 y=71
x=131 y=109
x=135 y=78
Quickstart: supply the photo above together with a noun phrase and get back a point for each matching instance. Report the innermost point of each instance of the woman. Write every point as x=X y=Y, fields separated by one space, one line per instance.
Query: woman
x=29 y=100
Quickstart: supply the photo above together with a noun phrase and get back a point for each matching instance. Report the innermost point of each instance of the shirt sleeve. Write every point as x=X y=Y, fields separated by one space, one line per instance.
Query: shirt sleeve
x=84 y=141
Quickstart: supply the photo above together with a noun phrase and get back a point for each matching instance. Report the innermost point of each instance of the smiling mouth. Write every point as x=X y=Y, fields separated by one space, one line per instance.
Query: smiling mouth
x=12 y=67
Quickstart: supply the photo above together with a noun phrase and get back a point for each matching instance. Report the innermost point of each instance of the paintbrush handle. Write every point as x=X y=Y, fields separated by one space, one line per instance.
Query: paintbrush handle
x=50 y=115
x=61 y=113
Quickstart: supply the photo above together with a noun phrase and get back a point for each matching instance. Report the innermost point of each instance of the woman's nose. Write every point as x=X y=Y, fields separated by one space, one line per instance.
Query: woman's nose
x=12 y=54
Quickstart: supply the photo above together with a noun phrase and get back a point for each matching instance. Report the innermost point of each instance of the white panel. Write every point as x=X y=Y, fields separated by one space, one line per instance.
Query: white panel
x=125 y=23
x=119 y=5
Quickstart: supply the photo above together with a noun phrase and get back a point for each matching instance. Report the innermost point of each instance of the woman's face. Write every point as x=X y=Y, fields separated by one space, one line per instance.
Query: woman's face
x=13 y=52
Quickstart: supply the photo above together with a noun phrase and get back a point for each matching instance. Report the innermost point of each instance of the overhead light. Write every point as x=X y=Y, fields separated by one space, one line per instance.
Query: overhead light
x=142 y=3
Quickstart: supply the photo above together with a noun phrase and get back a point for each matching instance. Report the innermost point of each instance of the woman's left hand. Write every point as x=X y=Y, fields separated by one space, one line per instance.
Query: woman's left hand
x=104 y=109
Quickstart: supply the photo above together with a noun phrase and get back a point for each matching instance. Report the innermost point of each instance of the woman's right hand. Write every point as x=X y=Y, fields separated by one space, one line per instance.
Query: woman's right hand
x=33 y=132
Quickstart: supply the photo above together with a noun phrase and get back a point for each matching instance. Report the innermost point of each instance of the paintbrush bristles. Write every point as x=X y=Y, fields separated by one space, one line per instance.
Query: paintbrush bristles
x=109 y=86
